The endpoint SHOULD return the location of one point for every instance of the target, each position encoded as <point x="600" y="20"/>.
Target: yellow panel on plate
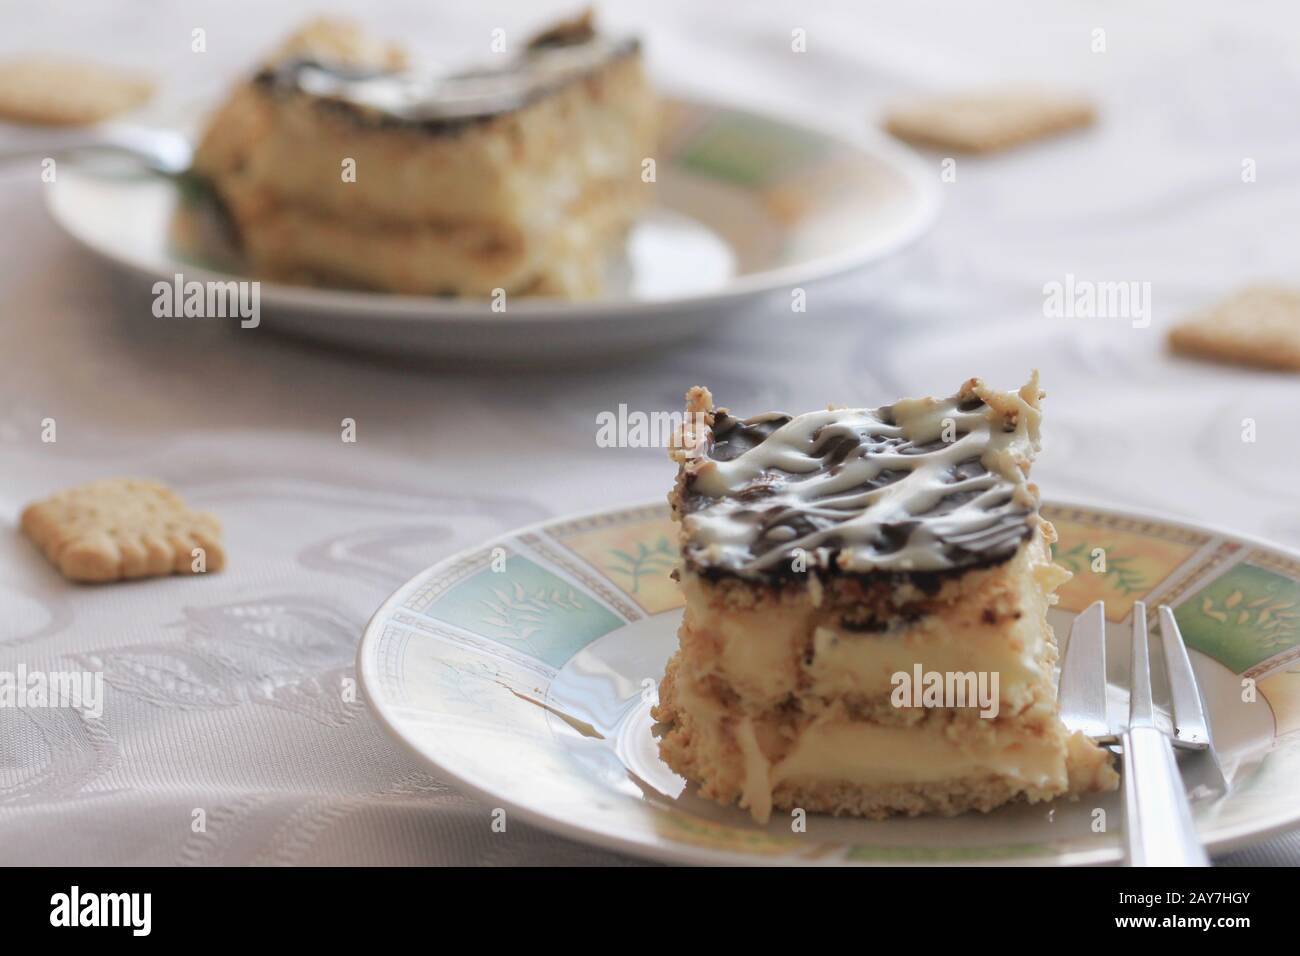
<point x="1283" y="694"/>
<point x="637" y="556"/>
<point x="1117" y="561"/>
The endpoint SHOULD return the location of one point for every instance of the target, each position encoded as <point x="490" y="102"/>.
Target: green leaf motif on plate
<point x="750" y="150"/>
<point x="1242" y="618"/>
<point x="528" y="608"/>
<point x="1121" y="575"/>
<point x="659" y="559"/>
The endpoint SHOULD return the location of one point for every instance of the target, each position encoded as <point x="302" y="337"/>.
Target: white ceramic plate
<point x="531" y="687"/>
<point x="745" y="205"/>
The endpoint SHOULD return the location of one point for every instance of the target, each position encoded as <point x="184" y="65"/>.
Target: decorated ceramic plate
<point x="745" y="205"/>
<point x="525" y="671"/>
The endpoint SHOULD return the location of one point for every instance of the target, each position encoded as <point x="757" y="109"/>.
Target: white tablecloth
<point x="223" y="692"/>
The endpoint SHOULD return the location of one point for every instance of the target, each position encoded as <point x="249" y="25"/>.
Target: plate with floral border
<point x="524" y="671"/>
<point x="744" y="204"/>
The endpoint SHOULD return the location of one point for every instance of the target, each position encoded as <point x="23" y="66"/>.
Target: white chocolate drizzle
<point x="920" y="485"/>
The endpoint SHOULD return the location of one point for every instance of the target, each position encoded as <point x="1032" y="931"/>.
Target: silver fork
<point x="1158" y="825"/>
<point x="161" y="150"/>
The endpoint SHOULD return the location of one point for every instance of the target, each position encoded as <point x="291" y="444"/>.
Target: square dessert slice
<point x="337" y="164"/>
<point x="836" y="563"/>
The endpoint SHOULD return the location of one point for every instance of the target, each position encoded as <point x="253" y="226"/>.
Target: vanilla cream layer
<point x="869" y="755"/>
<point x="1032" y="755"/>
<point x="288" y="241"/>
<point x="875" y="755"/>
<point x="761" y="653"/>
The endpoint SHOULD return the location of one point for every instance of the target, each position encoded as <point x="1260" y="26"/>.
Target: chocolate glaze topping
<point x="918" y="488"/>
<point x="449" y="103"/>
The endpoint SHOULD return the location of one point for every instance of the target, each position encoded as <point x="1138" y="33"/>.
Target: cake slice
<point x="836" y="565"/>
<point x="337" y="163"/>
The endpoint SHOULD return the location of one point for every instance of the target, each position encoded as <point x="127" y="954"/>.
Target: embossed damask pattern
<point x="226" y="697"/>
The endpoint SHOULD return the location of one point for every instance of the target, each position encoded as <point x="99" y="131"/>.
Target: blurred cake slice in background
<point x="339" y="163"/>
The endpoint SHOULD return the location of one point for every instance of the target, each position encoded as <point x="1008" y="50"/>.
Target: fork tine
<point x="1083" y="674"/>
<point x="1190" y="724"/>
<point x="1141" y="709"/>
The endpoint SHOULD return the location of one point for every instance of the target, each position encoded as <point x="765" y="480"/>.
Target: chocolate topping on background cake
<point x="579" y="29"/>
<point x="448" y="102"/>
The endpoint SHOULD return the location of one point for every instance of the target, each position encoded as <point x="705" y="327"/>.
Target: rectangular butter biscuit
<point x="989" y="121"/>
<point x="1257" y="326"/>
<point x="119" y="528"/>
